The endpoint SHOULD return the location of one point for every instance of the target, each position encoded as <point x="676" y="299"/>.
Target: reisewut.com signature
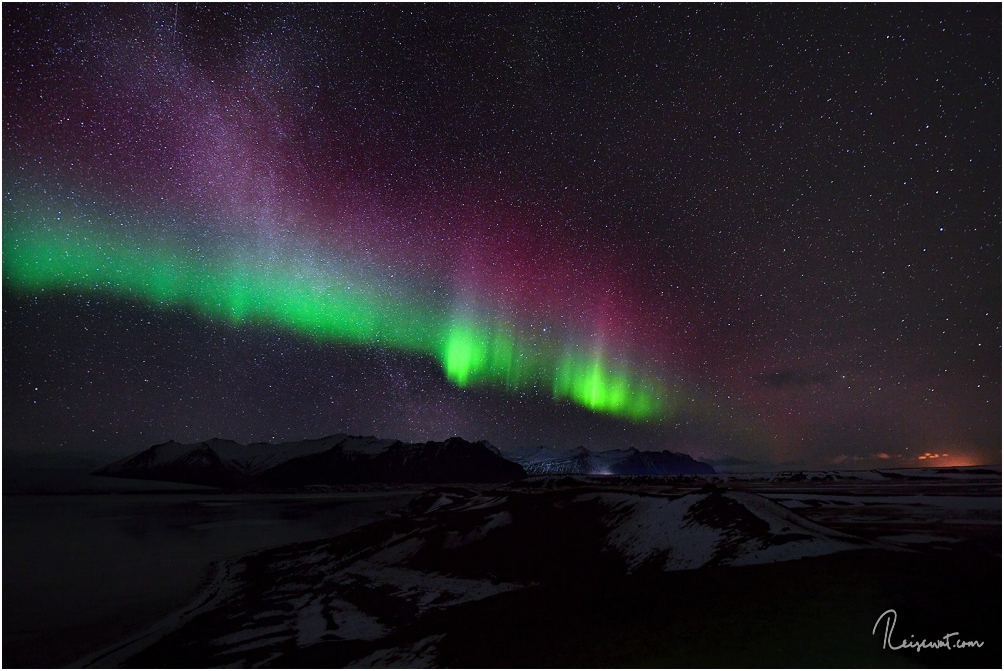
<point x="947" y="641"/>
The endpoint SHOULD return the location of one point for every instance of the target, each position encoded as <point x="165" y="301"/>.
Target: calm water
<point x="80" y="572"/>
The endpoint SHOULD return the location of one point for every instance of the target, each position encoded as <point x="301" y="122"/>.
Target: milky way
<point x="767" y="236"/>
<point x="223" y="151"/>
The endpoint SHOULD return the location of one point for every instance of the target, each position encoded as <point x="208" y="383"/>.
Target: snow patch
<point x="656" y="525"/>
<point x="455" y="539"/>
<point x="352" y="624"/>
<point x="703" y="528"/>
<point x="419" y="655"/>
<point x="310" y="623"/>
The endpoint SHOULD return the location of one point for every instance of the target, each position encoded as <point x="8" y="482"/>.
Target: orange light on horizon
<point x="962" y="456"/>
<point x="928" y="455"/>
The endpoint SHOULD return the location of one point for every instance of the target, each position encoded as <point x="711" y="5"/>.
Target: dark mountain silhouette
<point x="453" y="460"/>
<point x="338" y="459"/>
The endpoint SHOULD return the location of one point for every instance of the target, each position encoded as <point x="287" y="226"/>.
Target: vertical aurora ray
<point x="310" y="293"/>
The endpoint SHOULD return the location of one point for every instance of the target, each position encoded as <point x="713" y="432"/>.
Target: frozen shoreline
<point x="86" y="572"/>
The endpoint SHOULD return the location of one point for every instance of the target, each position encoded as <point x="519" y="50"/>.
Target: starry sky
<point x="765" y="236"/>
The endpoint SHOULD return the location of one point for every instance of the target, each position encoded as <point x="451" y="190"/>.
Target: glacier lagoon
<point x="81" y="572"/>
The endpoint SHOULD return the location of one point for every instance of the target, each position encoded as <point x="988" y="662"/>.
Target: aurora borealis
<point x="318" y="299"/>
<point x="764" y="235"/>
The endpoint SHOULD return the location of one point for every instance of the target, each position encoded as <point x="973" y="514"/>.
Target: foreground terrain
<point x="760" y="570"/>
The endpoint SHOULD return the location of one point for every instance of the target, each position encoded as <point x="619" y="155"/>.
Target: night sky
<point x="767" y="234"/>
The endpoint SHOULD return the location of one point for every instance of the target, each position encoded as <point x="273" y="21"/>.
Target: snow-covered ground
<point x="455" y="546"/>
<point x="714" y="528"/>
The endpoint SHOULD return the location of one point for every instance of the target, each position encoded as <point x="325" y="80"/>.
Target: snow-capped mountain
<point x="372" y="597"/>
<point x="337" y="459"/>
<point x="542" y="460"/>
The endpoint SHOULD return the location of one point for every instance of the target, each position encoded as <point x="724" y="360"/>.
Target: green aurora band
<point x="316" y="297"/>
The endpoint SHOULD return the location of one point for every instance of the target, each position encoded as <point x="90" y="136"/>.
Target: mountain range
<point x="333" y="460"/>
<point x="542" y="460"/>
<point x="343" y="459"/>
